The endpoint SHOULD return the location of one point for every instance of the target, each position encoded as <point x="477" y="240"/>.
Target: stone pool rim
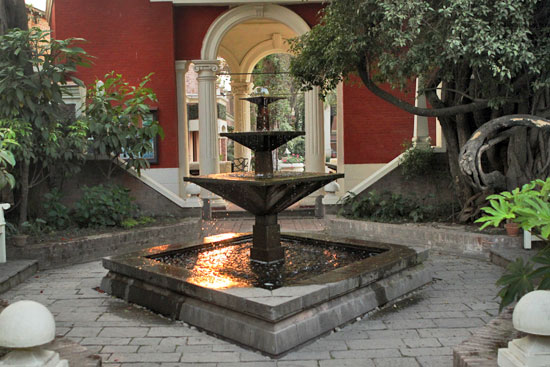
<point x="258" y="302"/>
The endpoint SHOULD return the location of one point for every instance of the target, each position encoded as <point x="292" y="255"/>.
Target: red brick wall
<point x="374" y="130"/>
<point x="309" y="13"/>
<point x="134" y="38"/>
<point x="191" y="25"/>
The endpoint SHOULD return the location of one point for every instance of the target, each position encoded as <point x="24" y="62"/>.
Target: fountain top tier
<point x="262" y="121"/>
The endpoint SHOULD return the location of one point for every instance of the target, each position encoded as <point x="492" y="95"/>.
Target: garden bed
<point x="64" y="251"/>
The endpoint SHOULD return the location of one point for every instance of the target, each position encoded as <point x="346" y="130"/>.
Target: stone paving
<point x="417" y="331"/>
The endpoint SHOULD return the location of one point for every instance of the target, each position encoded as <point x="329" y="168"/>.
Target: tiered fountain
<point x="249" y="287"/>
<point x="264" y="193"/>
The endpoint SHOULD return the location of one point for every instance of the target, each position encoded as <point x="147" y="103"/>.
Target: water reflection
<point x="229" y="265"/>
<point x="208" y="269"/>
<point x="219" y="237"/>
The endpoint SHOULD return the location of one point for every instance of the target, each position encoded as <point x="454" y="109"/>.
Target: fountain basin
<point x="271" y="321"/>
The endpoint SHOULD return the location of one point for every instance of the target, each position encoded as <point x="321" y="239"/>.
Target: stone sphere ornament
<point x="26" y="324"/>
<point x="531" y="316"/>
<point x="24" y="327"/>
<point x="532" y="313"/>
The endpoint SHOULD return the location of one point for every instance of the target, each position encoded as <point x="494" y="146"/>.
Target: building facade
<point x="167" y="37"/>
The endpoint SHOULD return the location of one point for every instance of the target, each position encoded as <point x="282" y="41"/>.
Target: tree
<point x="13" y="14"/>
<point x="287" y="114"/>
<point x="476" y="60"/>
<point x="33" y="74"/>
<point x="117" y="115"/>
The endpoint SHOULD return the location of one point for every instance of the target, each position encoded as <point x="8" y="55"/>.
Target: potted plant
<point x="528" y="207"/>
<point x="512" y="228"/>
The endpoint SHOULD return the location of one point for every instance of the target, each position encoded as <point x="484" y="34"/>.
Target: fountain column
<point x="242" y="116"/>
<point x="421" y="134"/>
<point x="209" y="161"/>
<point x="183" y="128"/>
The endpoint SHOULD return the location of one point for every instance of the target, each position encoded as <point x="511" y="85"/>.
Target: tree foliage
<point x="287" y="114"/>
<point x="34" y="72"/>
<point x="486" y="59"/>
<point x="116" y="113"/>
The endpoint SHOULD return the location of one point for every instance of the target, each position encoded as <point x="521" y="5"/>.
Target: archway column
<point x="209" y="155"/>
<point x="421" y="133"/>
<point x="314" y="139"/>
<point x="315" y="132"/>
<point x="242" y="116"/>
<point x="183" y="128"/>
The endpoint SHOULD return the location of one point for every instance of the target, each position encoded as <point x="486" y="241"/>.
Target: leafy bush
<point x="102" y="206"/>
<point x="529" y="207"/>
<point x="35" y="227"/>
<point x="416" y="160"/>
<point x="116" y="113"/>
<point x="57" y="215"/>
<point x="388" y="207"/>
<point x="134" y="222"/>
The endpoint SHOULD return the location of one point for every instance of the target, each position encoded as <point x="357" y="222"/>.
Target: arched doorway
<point x="230" y="36"/>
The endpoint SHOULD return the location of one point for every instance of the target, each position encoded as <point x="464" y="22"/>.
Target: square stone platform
<point x="272" y="321"/>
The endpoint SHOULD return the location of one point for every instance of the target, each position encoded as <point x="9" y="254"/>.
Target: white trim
<point x="375" y="177"/>
<point x="219" y="28"/>
<point x="161" y="189"/>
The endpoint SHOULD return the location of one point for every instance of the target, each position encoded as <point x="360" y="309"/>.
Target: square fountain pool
<point x="324" y="282"/>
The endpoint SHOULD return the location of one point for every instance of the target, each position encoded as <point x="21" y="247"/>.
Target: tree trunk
<point x="13" y="14"/>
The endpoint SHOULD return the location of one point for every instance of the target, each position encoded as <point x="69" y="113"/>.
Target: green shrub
<point x="387" y="207"/>
<point x="35" y="227"/>
<point x="416" y="161"/>
<point x="102" y="206"/>
<point x="133" y="222"/>
<point x="529" y="206"/>
<point x="57" y="214"/>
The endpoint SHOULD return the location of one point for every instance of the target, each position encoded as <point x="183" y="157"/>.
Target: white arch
<point x="228" y="20"/>
<point x="257" y="53"/>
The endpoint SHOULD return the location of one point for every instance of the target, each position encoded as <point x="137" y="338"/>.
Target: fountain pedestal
<point x="267" y="240"/>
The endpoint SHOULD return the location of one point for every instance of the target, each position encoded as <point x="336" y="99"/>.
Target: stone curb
<point x="15" y="272"/>
<point x="481" y="349"/>
<point x="90" y="248"/>
<point x="449" y="240"/>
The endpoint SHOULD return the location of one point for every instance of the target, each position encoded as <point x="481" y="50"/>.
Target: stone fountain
<point x="263" y="192"/>
<point x="268" y="290"/>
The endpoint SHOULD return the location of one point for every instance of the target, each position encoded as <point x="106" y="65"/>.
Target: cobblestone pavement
<point x="418" y="331"/>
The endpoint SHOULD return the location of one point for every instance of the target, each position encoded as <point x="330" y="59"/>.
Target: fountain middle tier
<point x="265" y="198"/>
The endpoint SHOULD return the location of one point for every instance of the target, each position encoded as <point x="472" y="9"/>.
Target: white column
<point x="340" y="136"/>
<point x="327" y="129"/>
<point x="3" y="206"/>
<point x="209" y="153"/>
<point x="208" y="121"/>
<point x="314" y="128"/>
<point x="183" y="128"/>
<point x="242" y="115"/>
<point x="421" y="134"/>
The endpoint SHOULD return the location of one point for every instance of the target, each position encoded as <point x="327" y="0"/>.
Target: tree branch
<point x="428" y="112"/>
